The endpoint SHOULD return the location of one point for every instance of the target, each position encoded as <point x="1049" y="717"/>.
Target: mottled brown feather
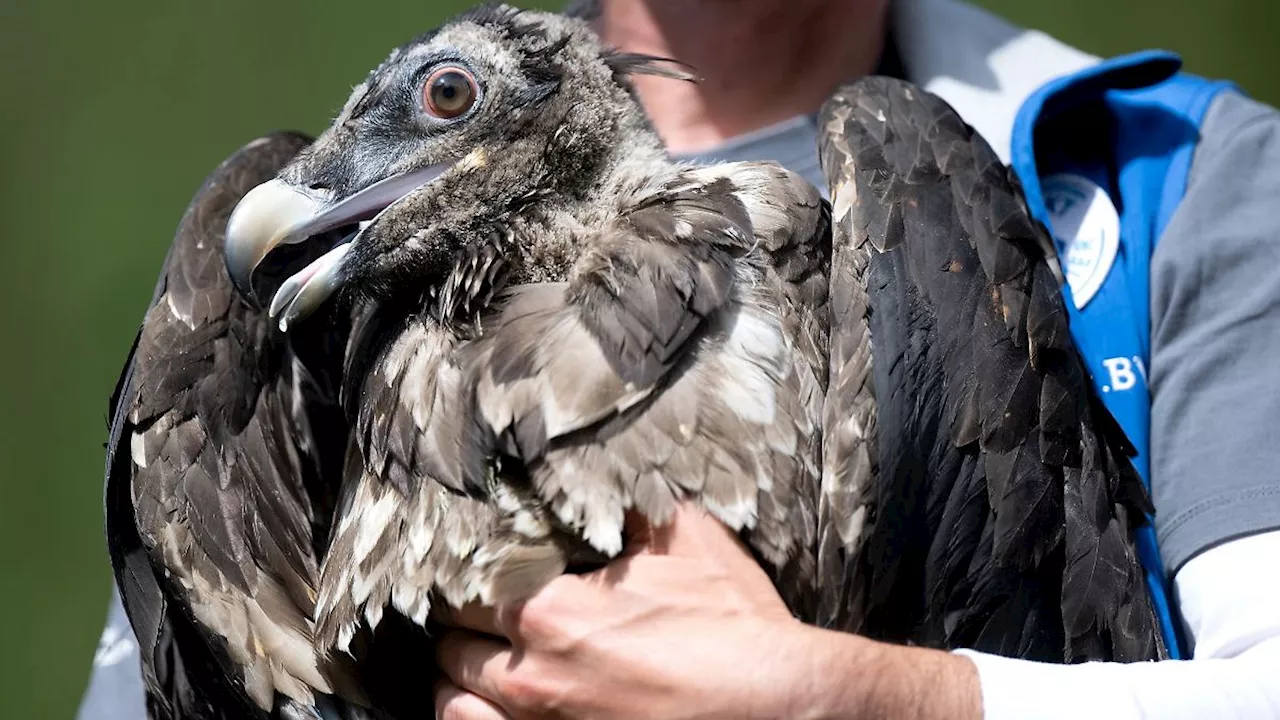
<point x="214" y="418"/>
<point x="682" y="356"/>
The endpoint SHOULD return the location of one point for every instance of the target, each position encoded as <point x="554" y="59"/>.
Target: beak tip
<point x="268" y="215"/>
<point x="240" y="274"/>
<point x="244" y="247"/>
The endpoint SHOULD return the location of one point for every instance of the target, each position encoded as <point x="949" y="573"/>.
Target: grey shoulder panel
<point x="115" y="685"/>
<point x="1215" y="339"/>
<point x="792" y="144"/>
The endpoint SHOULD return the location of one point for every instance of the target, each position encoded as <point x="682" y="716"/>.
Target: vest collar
<point x="980" y="64"/>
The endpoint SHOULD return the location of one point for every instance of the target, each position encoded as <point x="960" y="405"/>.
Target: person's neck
<point x="761" y="61"/>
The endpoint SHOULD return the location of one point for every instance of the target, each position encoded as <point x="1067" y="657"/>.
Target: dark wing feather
<point x="183" y="676"/>
<point x="215" y="466"/>
<point x="972" y="493"/>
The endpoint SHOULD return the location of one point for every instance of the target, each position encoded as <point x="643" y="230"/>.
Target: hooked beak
<point x="277" y="213"/>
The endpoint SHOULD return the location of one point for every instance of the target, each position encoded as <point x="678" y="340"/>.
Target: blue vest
<point x="1128" y="126"/>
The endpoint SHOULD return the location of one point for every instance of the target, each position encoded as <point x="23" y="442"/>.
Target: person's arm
<point x="699" y="633"/>
<point x="1227" y="598"/>
<point x="624" y="648"/>
<point x="688" y="626"/>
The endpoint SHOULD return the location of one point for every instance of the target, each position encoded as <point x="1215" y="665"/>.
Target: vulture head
<point x="496" y="119"/>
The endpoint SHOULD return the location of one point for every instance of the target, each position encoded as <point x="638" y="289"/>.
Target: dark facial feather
<point x="624" y="64"/>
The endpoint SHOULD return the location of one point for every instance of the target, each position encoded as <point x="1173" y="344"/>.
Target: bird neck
<point x="761" y="61"/>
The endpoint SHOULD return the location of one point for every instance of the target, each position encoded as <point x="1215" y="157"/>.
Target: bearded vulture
<point x="435" y="356"/>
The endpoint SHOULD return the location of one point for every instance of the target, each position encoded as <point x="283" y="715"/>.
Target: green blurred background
<point x="111" y="115"/>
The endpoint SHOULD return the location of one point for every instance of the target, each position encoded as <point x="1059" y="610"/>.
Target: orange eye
<point x="449" y="92"/>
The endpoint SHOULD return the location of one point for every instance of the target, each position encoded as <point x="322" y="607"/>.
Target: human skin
<point x="685" y="624"/>
<point x="760" y="61"/>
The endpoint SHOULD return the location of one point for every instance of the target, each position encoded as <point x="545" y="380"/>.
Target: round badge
<point x="1086" y="228"/>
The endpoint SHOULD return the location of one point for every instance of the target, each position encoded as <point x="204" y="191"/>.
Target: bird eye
<point x="449" y="92"/>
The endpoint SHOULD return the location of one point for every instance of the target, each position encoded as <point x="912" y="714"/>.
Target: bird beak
<point x="277" y="213"/>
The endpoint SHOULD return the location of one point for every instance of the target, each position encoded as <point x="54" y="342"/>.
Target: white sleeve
<point x="1229" y="597"/>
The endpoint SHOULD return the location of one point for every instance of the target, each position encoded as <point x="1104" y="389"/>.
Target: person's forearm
<point x="1240" y="687"/>
<point x="1227" y="597"/>
<point x="859" y="679"/>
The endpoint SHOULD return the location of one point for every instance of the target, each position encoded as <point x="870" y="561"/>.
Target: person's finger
<point x="564" y="597"/>
<point x="474" y="663"/>
<point x="454" y="703"/>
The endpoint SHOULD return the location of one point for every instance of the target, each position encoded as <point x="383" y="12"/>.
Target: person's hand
<point x="685" y="625"/>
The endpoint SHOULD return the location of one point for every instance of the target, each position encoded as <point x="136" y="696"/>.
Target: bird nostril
<point x="319" y="186"/>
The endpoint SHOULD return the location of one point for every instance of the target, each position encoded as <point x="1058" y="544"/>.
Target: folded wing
<point x="218" y="471"/>
<point x="683" y="357"/>
<point x="973" y="493"/>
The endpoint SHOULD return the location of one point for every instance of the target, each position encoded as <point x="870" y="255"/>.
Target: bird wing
<point x="217" y="436"/>
<point x="683" y="358"/>
<point x="402" y="535"/>
<point x="973" y="492"/>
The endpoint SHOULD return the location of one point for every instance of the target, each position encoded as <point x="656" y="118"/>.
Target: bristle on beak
<point x="640" y="64"/>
